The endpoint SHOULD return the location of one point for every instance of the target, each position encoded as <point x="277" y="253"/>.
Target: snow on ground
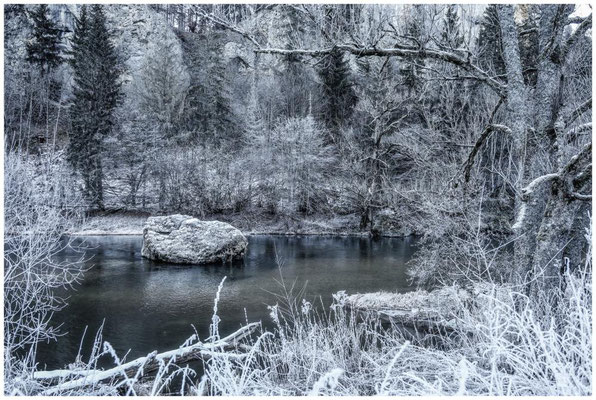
<point x="123" y="224"/>
<point x="111" y="225"/>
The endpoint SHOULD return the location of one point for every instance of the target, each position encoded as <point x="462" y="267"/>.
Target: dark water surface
<point x="150" y="306"/>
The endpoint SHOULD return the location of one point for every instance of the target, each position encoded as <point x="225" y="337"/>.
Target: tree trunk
<point x="518" y="113"/>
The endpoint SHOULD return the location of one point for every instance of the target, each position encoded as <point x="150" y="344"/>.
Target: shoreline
<point x="343" y="226"/>
<point x="340" y="234"/>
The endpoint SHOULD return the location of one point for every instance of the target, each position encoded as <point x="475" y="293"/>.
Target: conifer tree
<point x="294" y="79"/>
<point x="221" y="121"/>
<point x="96" y="94"/>
<point x="411" y="70"/>
<point x="451" y="35"/>
<point x="255" y="126"/>
<point x="44" y="47"/>
<point x="339" y="97"/>
<point x="489" y="42"/>
<point x="80" y="64"/>
<point x="208" y="116"/>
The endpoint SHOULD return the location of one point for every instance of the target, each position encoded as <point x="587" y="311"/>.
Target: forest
<point x="467" y="127"/>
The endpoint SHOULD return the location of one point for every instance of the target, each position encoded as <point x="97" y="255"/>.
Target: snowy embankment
<point x="110" y="225"/>
<point x="347" y="225"/>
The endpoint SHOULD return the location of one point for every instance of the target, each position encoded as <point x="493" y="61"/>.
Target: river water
<point x="146" y="305"/>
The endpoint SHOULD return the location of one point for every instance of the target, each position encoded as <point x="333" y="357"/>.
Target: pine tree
<point x="254" y="126"/>
<point x="411" y="70"/>
<point x="295" y="79"/>
<point x="44" y="47"/>
<point x="80" y="63"/>
<point x="339" y="97"/>
<point x="161" y="86"/>
<point x="490" y="48"/>
<point x="96" y="95"/>
<point x="451" y="35"/>
<point x="208" y="114"/>
<point x="489" y="42"/>
<point x="219" y="120"/>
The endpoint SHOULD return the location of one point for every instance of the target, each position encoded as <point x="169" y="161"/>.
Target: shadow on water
<point x="147" y="305"/>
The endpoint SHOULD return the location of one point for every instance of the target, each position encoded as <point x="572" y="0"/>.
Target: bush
<point x="505" y="343"/>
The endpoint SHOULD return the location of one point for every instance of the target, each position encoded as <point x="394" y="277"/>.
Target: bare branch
<point x="579" y="196"/>
<point x="580" y="31"/>
<point x="576" y="20"/>
<point x="148" y="363"/>
<point x="490" y="127"/>
<point x="402" y="51"/>
<point x="225" y="24"/>
<point x="578" y="130"/>
<point x="582" y="108"/>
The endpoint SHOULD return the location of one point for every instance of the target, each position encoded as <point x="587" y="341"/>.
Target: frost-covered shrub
<point x="292" y="166"/>
<point x="504" y="343"/>
<point x="39" y="204"/>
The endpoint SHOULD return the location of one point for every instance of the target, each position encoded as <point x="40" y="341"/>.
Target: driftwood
<point x="404" y="318"/>
<point x="143" y="365"/>
<point x="424" y="311"/>
<point x="420" y="310"/>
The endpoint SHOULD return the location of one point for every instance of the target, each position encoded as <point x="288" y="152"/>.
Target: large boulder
<point x="183" y="239"/>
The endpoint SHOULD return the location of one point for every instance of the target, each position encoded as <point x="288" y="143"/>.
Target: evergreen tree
<point x="43" y="48"/>
<point x="221" y="125"/>
<point x="451" y="35"/>
<point x="338" y="94"/>
<point x="255" y="125"/>
<point x="411" y="70"/>
<point x="490" y="47"/>
<point x="295" y="79"/>
<point x="208" y="116"/>
<point x="80" y="64"/>
<point x="96" y="94"/>
<point x="161" y="87"/>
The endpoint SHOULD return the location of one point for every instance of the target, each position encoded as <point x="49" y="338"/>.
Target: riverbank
<point x="345" y="225"/>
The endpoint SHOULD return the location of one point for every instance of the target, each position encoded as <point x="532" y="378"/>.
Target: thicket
<point x="477" y="137"/>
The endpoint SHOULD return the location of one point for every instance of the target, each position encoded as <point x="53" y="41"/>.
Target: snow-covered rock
<point x="186" y="240"/>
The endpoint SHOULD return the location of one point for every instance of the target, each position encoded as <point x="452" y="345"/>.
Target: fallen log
<point x="426" y="311"/>
<point x="144" y="365"/>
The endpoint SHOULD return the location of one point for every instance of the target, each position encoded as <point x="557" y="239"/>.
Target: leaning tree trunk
<point x="560" y="239"/>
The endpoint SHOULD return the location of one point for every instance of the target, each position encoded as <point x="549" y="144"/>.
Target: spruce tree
<point x="80" y="63"/>
<point x="255" y="126"/>
<point x="294" y="79"/>
<point x="339" y="97"/>
<point x="43" y="48"/>
<point x="411" y="70"/>
<point x="96" y="95"/>
<point x="208" y="117"/>
<point x="220" y="123"/>
<point x="489" y="42"/>
<point x="451" y="35"/>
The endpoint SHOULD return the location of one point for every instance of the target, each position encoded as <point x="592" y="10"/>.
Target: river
<point x="146" y="305"/>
